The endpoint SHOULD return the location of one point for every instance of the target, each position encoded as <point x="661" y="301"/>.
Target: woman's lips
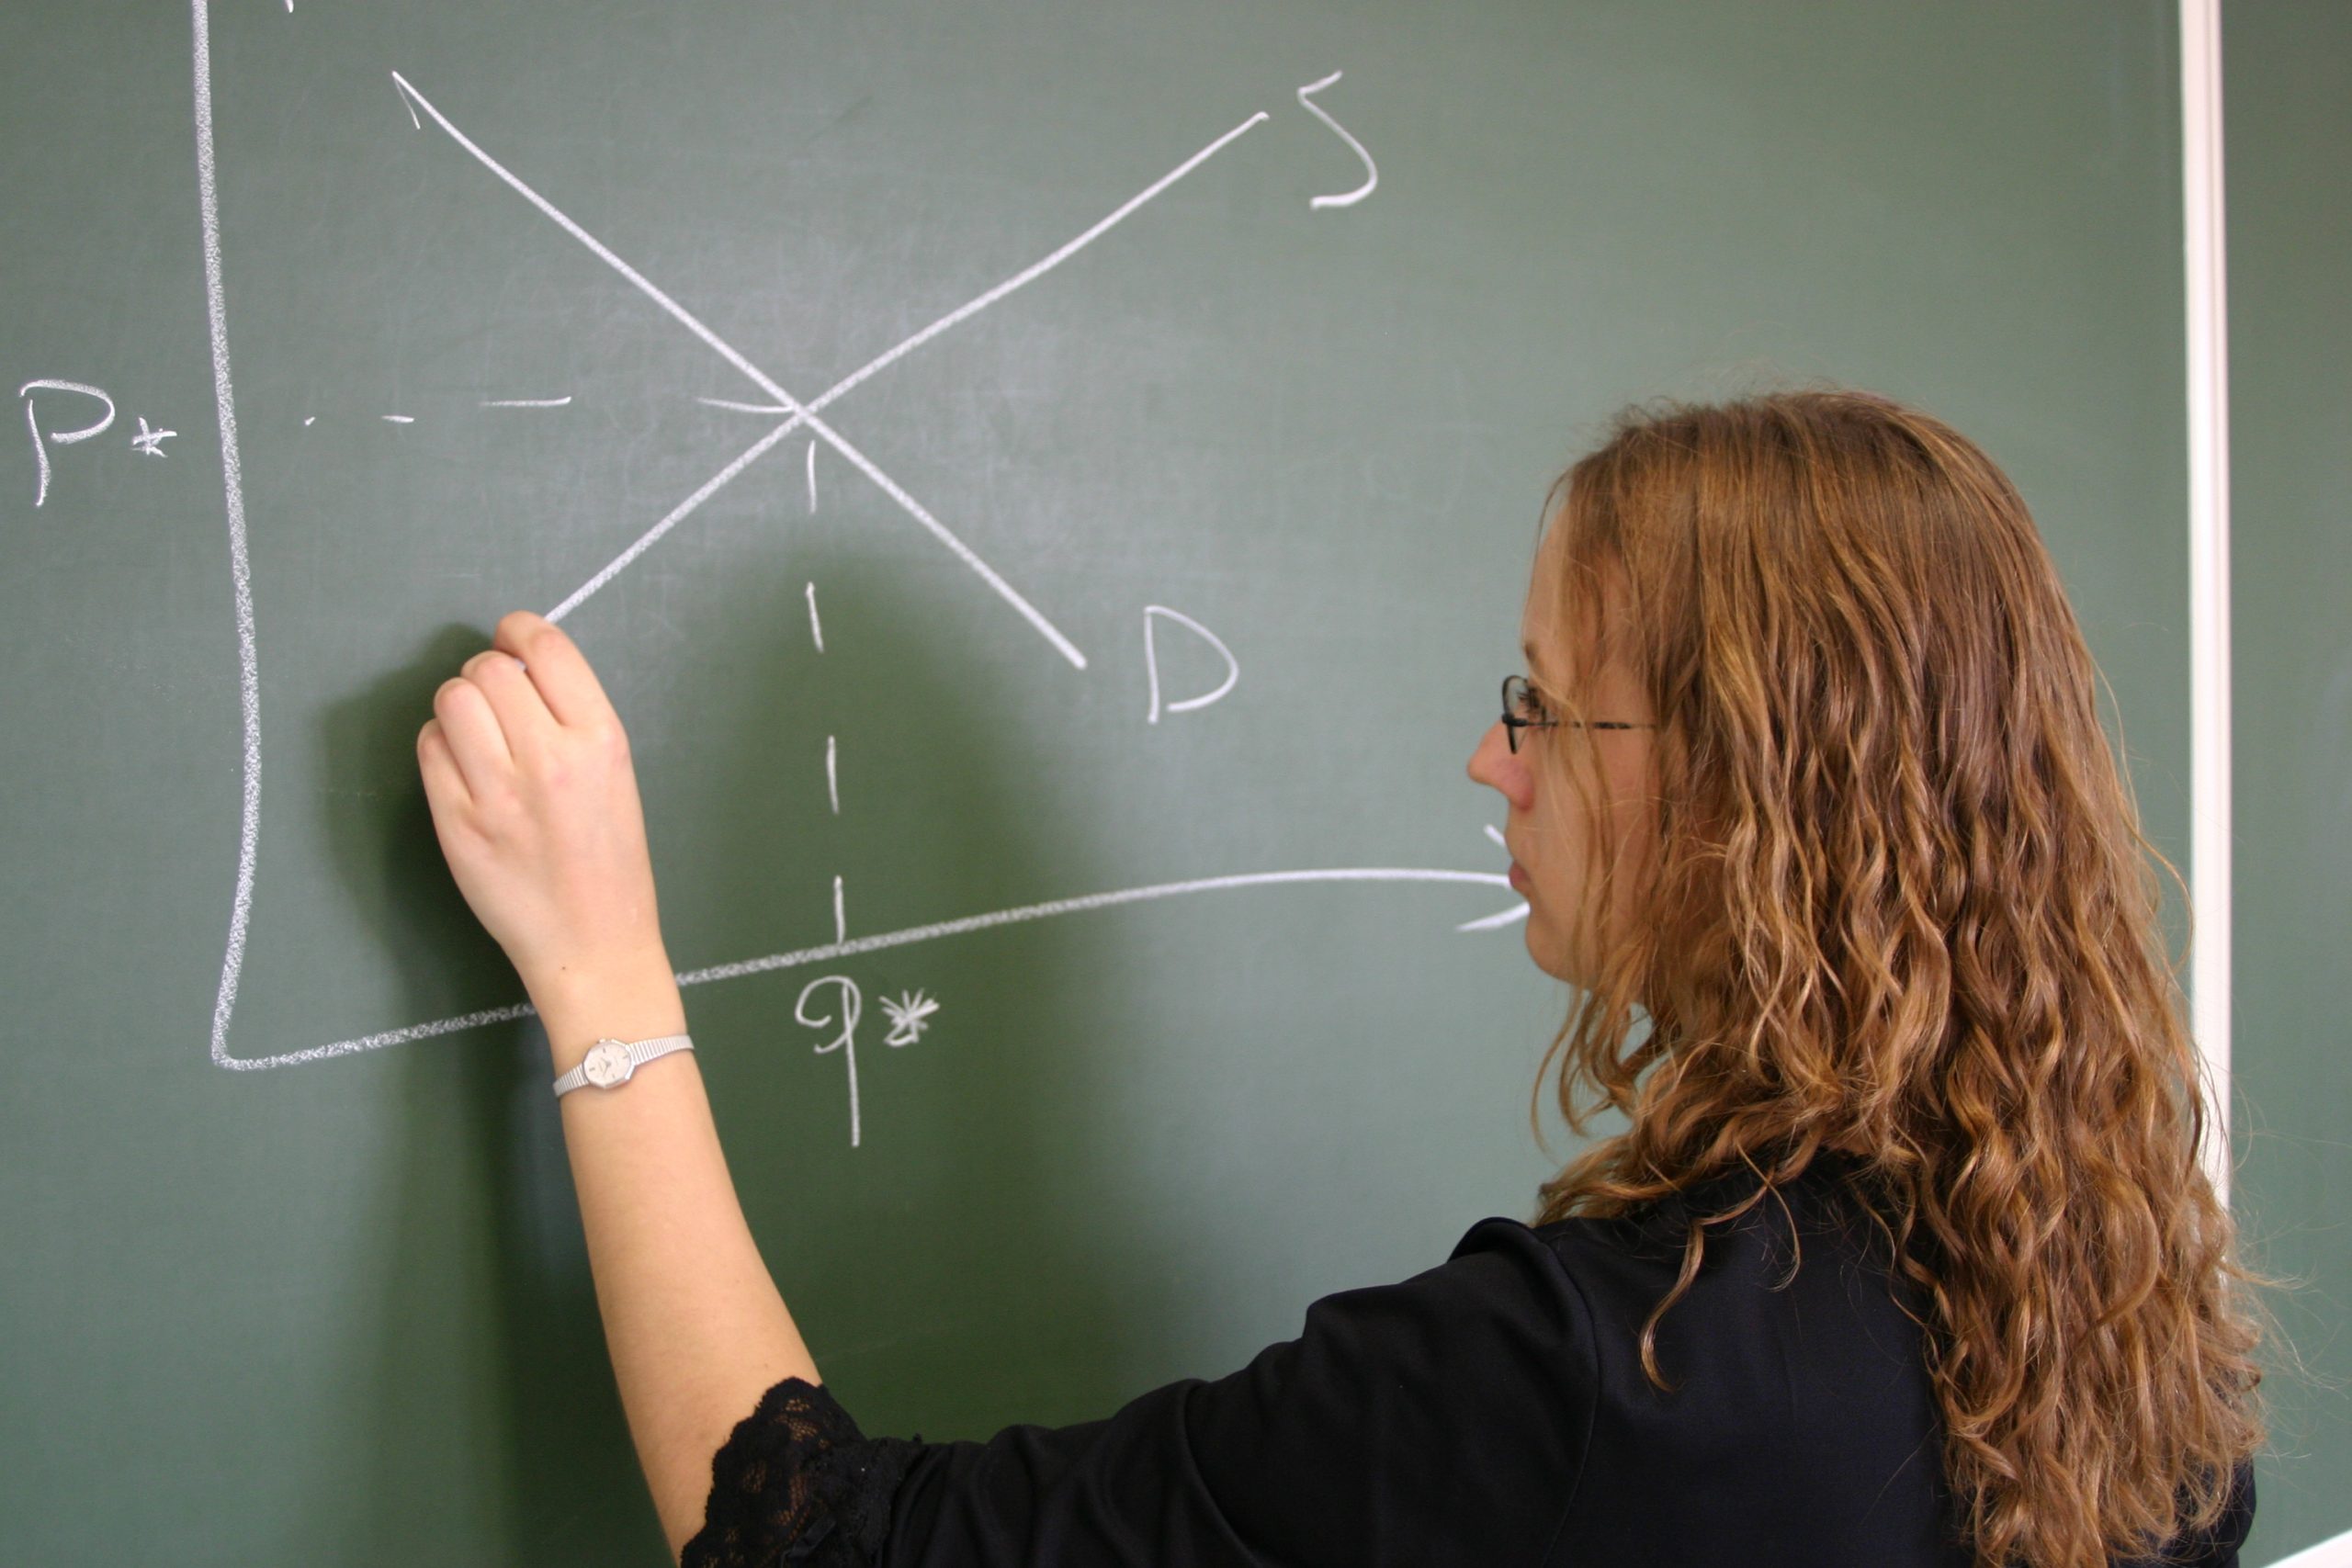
<point x="1518" y="878"/>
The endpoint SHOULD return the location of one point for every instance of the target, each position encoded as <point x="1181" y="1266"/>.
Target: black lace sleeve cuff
<point x="797" y="1481"/>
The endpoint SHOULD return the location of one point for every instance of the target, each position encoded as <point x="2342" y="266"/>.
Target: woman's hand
<point x="535" y="802"/>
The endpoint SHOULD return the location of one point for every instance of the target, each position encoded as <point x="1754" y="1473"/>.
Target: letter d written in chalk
<point x="1151" y="661"/>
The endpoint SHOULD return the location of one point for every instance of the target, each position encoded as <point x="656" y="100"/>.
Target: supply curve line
<point x="801" y="957"/>
<point x="809" y="414"/>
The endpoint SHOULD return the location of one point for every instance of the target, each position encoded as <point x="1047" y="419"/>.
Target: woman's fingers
<point x="474" y="737"/>
<point x="536" y="805"/>
<point x="506" y="705"/>
<point x="555" y="667"/>
<point x="444" y="785"/>
<point x="522" y="717"/>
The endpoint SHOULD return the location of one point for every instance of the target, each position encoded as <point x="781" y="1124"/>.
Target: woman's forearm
<point x="696" y="1326"/>
<point x="534" y="795"/>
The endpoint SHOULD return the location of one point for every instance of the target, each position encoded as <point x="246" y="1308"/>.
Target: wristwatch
<point x="610" y="1064"/>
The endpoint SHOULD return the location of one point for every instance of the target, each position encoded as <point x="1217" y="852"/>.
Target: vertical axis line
<point x="207" y="189"/>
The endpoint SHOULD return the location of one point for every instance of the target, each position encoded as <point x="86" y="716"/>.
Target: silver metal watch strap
<point x="639" y="1053"/>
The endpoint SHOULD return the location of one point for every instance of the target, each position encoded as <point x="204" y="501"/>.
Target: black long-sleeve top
<point x="1492" y="1410"/>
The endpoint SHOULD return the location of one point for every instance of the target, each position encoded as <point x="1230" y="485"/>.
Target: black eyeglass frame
<point x="1513" y="723"/>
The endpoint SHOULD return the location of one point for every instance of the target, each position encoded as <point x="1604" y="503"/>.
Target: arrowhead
<point x="1488" y="922"/>
<point x="409" y="98"/>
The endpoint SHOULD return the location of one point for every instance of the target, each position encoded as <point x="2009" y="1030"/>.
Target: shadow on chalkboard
<point x="936" y="1269"/>
<point x="493" y="1409"/>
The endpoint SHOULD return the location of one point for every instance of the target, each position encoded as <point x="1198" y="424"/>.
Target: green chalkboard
<point x="1244" y="391"/>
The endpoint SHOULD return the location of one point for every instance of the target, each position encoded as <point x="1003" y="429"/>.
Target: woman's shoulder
<point x="1790" y="1368"/>
<point x="1827" y="1197"/>
<point x="1810" y="1237"/>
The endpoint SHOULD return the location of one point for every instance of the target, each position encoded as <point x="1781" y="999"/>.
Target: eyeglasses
<point x="1519" y="701"/>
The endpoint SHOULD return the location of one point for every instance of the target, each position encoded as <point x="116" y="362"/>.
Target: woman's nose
<point x="1493" y="746"/>
<point x="1494" y="765"/>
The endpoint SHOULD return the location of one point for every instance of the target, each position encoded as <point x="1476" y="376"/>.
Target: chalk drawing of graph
<point x="793" y="415"/>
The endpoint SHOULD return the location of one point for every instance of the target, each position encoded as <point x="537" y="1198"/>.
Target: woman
<point x="1905" y="1256"/>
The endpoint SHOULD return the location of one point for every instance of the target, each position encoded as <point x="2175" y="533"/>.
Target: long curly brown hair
<point x="1897" y="900"/>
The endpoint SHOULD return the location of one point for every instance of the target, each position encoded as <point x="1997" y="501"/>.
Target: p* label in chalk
<point x="34" y="412"/>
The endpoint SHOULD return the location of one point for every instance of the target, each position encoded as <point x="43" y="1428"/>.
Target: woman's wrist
<point x="631" y="998"/>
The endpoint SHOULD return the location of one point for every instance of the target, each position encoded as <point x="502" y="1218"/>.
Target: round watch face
<point x="607" y="1064"/>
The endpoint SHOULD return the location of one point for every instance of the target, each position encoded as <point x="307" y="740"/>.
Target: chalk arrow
<point x="1489" y="922"/>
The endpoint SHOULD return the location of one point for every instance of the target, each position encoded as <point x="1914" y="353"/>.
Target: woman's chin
<point x="1543" y="951"/>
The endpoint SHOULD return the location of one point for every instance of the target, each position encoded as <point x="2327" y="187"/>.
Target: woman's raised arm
<point x="535" y="802"/>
